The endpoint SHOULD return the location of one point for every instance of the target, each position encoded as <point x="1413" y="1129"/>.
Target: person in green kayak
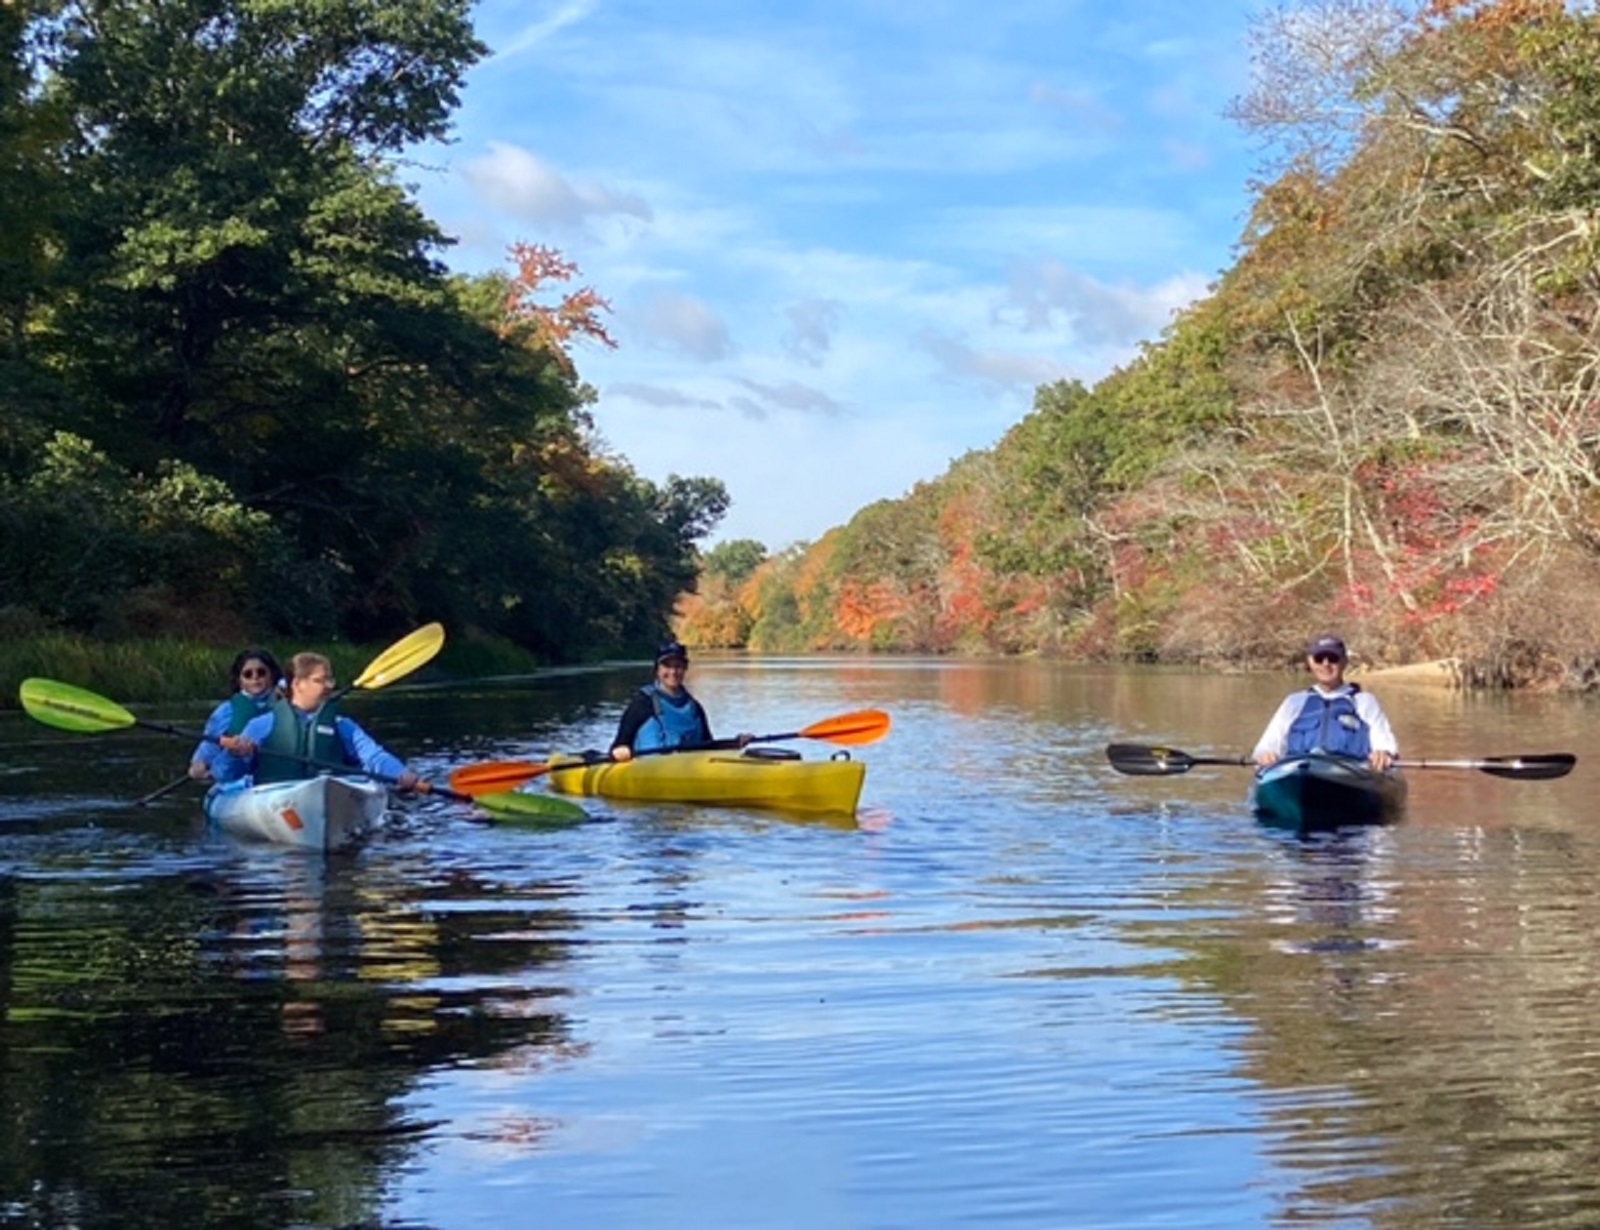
<point x="1330" y="716"/>
<point x="253" y="681"/>
<point x="305" y="727"/>
<point x="663" y="715"/>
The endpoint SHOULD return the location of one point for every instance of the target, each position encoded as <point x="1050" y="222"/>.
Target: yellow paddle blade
<point x="850" y="729"/>
<point x="403" y="657"/>
<point x="68" y="708"/>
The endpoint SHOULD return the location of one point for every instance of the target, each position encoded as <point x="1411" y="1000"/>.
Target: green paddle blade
<point x="534" y="811"/>
<point x="68" y="708"/>
<point x="403" y="657"/>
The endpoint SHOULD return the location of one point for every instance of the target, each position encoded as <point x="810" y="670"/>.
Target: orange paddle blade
<point x="851" y="729"/>
<point x="495" y="777"/>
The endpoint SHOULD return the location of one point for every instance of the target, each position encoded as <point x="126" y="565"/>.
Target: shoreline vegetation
<point x="167" y="669"/>
<point x="1383" y="417"/>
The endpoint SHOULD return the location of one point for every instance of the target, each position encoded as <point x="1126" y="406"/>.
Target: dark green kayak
<point x="1325" y="792"/>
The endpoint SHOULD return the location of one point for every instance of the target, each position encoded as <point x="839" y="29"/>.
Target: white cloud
<point x="1050" y="295"/>
<point x="1008" y="369"/>
<point x="811" y="326"/>
<point x="527" y="188"/>
<point x="680" y="322"/>
<point x="792" y="395"/>
<point x="545" y="28"/>
<point x="656" y="395"/>
<point x="846" y="243"/>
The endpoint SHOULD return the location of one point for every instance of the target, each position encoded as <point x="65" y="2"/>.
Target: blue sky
<point x="845" y="241"/>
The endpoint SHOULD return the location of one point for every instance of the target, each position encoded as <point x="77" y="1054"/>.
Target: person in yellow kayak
<point x="303" y="733"/>
<point x="253" y="681"/>
<point x="663" y="715"/>
<point x="1330" y="716"/>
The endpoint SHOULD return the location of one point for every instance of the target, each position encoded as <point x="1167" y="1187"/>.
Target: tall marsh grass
<point x="149" y="671"/>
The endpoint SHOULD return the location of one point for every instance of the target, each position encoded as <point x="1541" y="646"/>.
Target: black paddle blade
<point x="1138" y="760"/>
<point x="1530" y="768"/>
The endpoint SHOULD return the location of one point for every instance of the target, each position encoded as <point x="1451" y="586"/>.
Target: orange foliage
<point x="1493" y="14"/>
<point x="860" y="610"/>
<point x="576" y="315"/>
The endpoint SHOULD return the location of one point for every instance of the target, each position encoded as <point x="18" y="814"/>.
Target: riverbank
<point x="1441" y="673"/>
<point x="169" y="669"/>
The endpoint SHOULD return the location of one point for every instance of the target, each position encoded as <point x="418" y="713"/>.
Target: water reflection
<point x="1018" y="989"/>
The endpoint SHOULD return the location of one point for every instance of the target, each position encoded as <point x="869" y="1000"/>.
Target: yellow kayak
<point x="755" y="777"/>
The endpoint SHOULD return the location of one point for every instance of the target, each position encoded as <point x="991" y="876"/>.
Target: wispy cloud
<point x="1050" y="295"/>
<point x="545" y="27"/>
<point x="680" y="322"/>
<point x="811" y="326"/>
<point x="525" y="187"/>
<point x="846" y="243"/>
<point x="960" y="361"/>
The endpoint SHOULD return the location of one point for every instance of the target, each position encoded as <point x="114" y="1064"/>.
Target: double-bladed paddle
<point x="1140" y="760"/>
<point x="1528" y="767"/>
<point x="847" y="729"/>
<point x="86" y="713"/>
<point x="411" y="651"/>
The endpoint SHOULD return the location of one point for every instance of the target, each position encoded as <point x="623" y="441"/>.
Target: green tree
<point x="735" y="560"/>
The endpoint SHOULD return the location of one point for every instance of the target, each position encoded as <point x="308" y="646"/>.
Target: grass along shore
<point x="170" y="669"/>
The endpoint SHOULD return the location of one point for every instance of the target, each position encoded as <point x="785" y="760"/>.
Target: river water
<point x="1016" y="990"/>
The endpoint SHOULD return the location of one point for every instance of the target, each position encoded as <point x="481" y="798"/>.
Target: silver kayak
<point x="319" y="813"/>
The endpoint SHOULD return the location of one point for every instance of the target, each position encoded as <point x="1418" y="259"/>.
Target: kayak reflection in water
<point x="1331" y="716"/>
<point x="301" y="734"/>
<point x="663" y="715"/>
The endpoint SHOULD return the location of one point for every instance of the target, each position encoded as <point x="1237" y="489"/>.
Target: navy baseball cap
<point x="1327" y="644"/>
<point x="672" y="651"/>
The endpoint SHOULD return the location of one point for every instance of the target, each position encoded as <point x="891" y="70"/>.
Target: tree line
<point x="241" y="395"/>
<point x="1384" y="417"/>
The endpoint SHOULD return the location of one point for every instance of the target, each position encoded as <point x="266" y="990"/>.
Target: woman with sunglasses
<point x="253" y="681"/>
<point x="1330" y="716"/>
<point x="299" y="734"/>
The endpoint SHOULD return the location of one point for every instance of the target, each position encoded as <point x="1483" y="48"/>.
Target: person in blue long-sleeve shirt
<point x="253" y="680"/>
<point x="303" y="734"/>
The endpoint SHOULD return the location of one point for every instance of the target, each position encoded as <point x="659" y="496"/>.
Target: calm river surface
<point x="1017" y="990"/>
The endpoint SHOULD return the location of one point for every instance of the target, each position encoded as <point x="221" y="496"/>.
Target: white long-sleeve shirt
<point x="1275" y="737"/>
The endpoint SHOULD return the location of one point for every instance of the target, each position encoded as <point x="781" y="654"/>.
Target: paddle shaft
<point x="164" y="791"/>
<point x="1139" y="760"/>
<point x="851" y="729"/>
<point x="395" y="662"/>
<point x="716" y="745"/>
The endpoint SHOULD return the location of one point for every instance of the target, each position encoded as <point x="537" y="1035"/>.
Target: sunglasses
<point x="1326" y="657"/>
<point x="254" y="672"/>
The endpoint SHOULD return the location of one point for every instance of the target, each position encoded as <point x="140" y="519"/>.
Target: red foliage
<point x="859" y="610"/>
<point x="576" y="315"/>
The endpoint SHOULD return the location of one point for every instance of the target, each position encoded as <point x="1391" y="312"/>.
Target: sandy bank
<point x="1443" y="672"/>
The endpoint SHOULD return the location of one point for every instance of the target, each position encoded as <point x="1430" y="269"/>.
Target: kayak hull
<point x="722" y="778"/>
<point x="1324" y="792"/>
<point x="319" y="813"/>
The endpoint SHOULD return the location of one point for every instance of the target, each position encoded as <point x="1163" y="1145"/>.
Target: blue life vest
<point x="285" y="754"/>
<point x="1330" y="724"/>
<point x="677" y="722"/>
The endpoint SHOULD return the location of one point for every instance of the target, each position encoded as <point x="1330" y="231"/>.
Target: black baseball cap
<point x="1327" y="644"/>
<point x="672" y="651"/>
